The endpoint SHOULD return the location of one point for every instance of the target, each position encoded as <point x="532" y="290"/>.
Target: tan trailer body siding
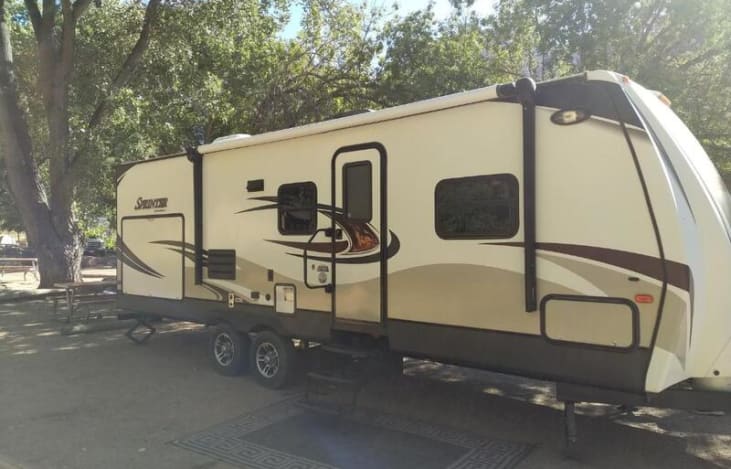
<point x="608" y="212"/>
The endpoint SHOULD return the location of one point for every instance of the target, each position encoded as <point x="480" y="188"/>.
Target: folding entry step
<point x="355" y="353"/>
<point x="142" y="321"/>
<point x="331" y="394"/>
<point x="339" y="375"/>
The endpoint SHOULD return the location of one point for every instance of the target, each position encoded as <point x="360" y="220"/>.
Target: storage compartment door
<point x="589" y="320"/>
<point x="151" y="251"/>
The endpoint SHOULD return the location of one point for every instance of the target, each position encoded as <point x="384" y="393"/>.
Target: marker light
<point x="665" y="100"/>
<point x="569" y="116"/>
<point x="644" y="298"/>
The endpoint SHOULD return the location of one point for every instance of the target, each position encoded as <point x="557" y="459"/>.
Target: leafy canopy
<point x="222" y="66"/>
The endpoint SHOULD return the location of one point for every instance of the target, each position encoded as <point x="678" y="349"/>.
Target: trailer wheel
<point x="228" y="348"/>
<point x="272" y="359"/>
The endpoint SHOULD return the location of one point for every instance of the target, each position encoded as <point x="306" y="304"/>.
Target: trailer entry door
<point x="359" y="217"/>
<point x="151" y="265"/>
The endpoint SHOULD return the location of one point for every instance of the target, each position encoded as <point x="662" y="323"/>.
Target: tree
<point x="679" y="47"/>
<point x="44" y="163"/>
<point x="427" y="58"/>
<point x="324" y="71"/>
<point x="83" y="88"/>
<point x="9" y="216"/>
<point x="220" y="67"/>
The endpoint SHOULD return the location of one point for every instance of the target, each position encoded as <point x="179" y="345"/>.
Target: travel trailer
<point x="572" y="230"/>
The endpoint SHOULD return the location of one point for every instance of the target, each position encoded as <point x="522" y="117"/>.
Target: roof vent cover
<point x="231" y="137"/>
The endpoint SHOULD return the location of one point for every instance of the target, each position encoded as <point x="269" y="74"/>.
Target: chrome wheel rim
<point x="267" y="359"/>
<point x="224" y="349"/>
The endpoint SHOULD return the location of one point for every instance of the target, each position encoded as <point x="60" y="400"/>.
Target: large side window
<point x="297" y="211"/>
<point x="477" y="207"/>
<point x="358" y="191"/>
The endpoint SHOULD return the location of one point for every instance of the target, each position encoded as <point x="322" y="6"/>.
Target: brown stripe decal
<point x="131" y="260"/>
<point x="678" y="274"/>
<point x="315" y="247"/>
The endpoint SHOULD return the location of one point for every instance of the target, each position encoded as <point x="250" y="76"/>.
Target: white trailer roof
<point x="419" y="107"/>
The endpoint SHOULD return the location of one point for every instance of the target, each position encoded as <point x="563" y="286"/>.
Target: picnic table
<point x="19" y="264"/>
<point x="85" y="293"/>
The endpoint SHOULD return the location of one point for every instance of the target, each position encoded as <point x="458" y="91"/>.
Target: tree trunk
<point x="59" y="258"/>
<point x="47" y="212"/>
<point x="52" y="234"/>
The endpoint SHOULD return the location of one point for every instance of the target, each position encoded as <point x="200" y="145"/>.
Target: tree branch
<point x="35" y="16"/>
<point x="708" y="54"/>
<point x="650" y="24"/>
<point x="22" y="171"/>
<point x="49" y="15"/>
<point x="60" y="76"/>
<point x="68" y="34"/>
<point x="46" y="52"/>
<point x="130" y="64"/>
<point x="80" y="7"/>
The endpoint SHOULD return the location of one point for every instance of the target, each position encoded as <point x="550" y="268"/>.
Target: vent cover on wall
<point x="222" y="264"/>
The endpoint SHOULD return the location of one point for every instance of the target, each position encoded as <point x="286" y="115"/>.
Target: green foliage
<point x="222" y="67"/>
<point x="679" y="47"/>
<point x="98" y="231"/>
<point x="324" y="71"/>
<point x="427" y="58"/>
<point x="9" y="217"/>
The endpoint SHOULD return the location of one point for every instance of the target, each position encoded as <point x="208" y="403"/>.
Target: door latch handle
<point x="322" y="271"/>
<point x="338" y="233"/>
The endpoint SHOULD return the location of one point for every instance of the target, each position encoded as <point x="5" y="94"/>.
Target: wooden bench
<point x="27" y="265"/>
<point x="85" y="294"/>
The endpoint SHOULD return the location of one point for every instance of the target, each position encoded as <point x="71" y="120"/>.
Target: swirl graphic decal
<point x="361" y="246"/>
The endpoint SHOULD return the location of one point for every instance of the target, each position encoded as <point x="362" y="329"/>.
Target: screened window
<point x="297" y="210"/>
<point x="357" y="191"/>
<point x="477" y="207"/>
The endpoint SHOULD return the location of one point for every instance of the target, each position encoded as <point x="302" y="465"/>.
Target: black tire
<point x="272" y="360"/>
<point x="228" y="350"/>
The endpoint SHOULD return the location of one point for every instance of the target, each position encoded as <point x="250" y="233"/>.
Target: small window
<point x="357" y="191"/>
<point x="477" y="207"/>
<point x="297" y="211"/>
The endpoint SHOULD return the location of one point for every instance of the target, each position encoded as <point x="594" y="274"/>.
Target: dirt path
<point x="96" y="400"/>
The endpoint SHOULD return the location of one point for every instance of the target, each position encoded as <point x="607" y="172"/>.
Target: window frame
<point x="344" y="194"/>
<point x="450" y="236"/>
<point x="280" y="210"/>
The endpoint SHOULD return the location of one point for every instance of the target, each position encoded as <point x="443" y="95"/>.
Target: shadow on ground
<point x="97" y="400"/>
<point x="521" y="409"/>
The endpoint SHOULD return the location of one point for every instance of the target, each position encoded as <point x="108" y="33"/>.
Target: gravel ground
<point x="96" y="400"/>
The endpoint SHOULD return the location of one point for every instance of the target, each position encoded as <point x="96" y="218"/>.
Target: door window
<point x="357" y="191"/>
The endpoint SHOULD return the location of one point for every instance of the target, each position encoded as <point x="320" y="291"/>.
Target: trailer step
<point x="350" y="351"/>
<point x="336" y="380"/>
<point x="141" y="330"/>
<point x="332" y="392"/>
